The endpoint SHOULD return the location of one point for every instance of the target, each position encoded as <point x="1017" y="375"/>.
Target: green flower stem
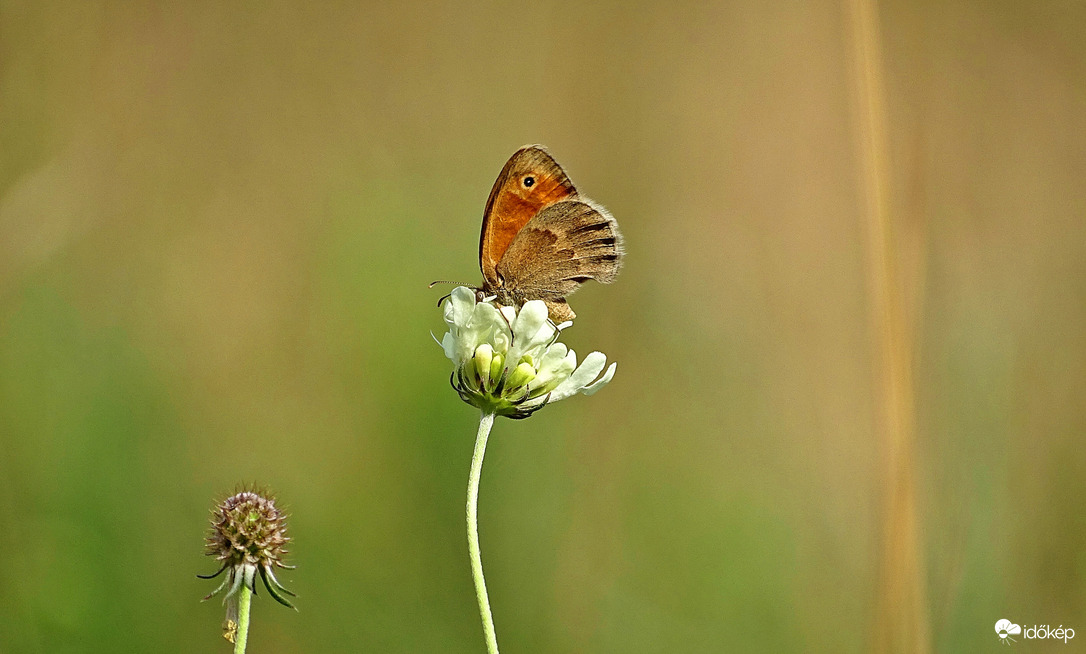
<point x="486" y="422"/>
<point x="245" y="599"/>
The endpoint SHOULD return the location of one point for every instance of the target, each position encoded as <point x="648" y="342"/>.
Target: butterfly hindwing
<point x="563" y="246"/>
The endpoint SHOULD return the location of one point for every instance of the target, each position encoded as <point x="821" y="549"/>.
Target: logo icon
<point x="1005" y="629"/>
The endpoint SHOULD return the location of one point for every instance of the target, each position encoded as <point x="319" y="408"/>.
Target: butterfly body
<point x="541" y="239"/>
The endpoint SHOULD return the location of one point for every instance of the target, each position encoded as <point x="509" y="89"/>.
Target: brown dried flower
<point x="248" y="535"/>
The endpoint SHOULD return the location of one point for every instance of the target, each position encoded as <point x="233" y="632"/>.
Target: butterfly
<point x="541" y="239"/>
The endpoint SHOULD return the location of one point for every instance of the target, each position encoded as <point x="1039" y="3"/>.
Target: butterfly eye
<point x="528" y="181"/>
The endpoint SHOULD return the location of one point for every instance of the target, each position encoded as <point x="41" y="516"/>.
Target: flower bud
<point x="520" y="376"/>
<point x="484" y="356"/>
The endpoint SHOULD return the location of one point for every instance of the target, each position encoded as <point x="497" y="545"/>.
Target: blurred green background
<point x="218" y="221"/>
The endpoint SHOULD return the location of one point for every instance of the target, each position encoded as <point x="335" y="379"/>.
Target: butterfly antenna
<point x="443" y="281"/>
<point x="446" y="297"/>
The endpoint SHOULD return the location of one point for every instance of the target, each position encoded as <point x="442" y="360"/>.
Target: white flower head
<point x="510" y="362"/>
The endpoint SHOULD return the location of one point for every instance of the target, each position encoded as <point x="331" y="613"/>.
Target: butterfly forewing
<point x="530" y="181"/>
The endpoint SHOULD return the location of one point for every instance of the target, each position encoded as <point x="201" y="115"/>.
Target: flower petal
<point x="531" y="331"/>
<point x="459" y="307"/>
<point x="484" y="326"/>
<point x="531" y="317"/>
<point x="550" y="365"/>
<point x="448" y="344"/>
<point x="602" y="381"/>
<point x="587" y="372"/>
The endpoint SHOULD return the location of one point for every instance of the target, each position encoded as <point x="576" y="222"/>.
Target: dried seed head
<point x="248" y="536"/>
<point x="247" y="528"/>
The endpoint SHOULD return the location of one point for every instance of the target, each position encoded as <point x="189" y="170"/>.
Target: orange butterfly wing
<point x="530" y="181"/>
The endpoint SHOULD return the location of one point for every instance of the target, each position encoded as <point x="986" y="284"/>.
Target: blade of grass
<point x="901" y="614"/>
